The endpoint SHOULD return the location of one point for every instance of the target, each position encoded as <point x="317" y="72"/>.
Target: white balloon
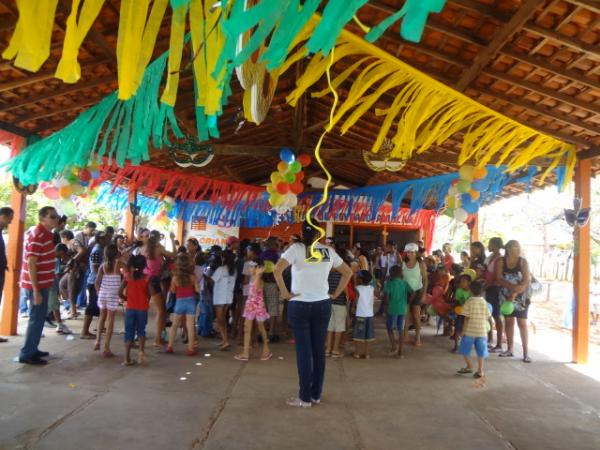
<point x="60" y="182"/>
<point x="291" y="200"/>
<point x="460" y="214"/>
<point x="452" y="190"/>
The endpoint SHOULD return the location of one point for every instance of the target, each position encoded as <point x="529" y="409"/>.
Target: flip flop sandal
<point x="477" y="375"/>
<point x="464" y="370"/>
<point x="337" y="355"/>
<point x="506" y="355"/>
<point x="526" y="359"/>
<point x="225" y="348"/>
<point x="107" y="354"/>
<point x="266" y="357"/>
<point x="241" y="358"/>
<point x="128" y="363"/>
<point x="327" y="354"/>
<point x="87" y="336"/>
<point x="96" y="347"/>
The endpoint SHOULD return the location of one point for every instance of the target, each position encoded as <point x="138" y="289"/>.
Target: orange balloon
<point x="479" y="173"/>
<point x="282" y="166"/>
<point x="65" y="192"/>
<point x="474" y="194"/>
<point x="299" y="176"/>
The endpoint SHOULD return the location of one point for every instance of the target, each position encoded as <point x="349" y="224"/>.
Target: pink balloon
<point x="427" y="299"/>
<point x="51" y="193"/>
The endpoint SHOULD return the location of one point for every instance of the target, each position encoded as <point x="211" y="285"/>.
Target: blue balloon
<point x="490" y="308"/>
<point x="287" y="155"/>
<point x="466" y="198"/>
<point x="480" y="185"/>
<point x="471" y="208"/>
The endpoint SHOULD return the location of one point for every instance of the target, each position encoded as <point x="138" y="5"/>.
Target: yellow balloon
<point x="270" y="189"/>
<point x="459" y="310"/>
<point x="282" y="166"/>
<point x="466" y="173"/>
<point x="451" y="202"/>
<point x="275" y="199"/>
<point x="275" y="178"/>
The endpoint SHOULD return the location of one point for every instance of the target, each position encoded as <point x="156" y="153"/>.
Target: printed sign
<point x="207" y="234"/>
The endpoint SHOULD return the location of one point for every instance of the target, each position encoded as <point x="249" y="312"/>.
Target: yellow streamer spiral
<point x="315" y="255"/>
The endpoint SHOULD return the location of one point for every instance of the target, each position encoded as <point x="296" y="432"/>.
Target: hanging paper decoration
<point x="414" y="15"/>
<point x="425" y="112"/>
<point x="191" y="153"/>
<point x="78" y="24"/>
<point x="382" y="161"/>
<point x="578" y="216"/>
<point x="30" y="42"/>
<point x="286" y="181"/>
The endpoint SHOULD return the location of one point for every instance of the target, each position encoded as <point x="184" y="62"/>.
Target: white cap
<point x="411" y="247"/>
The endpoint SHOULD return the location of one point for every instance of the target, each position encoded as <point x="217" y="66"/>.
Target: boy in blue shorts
<point x="474" y="332"/>
<point x="396" y="295"/>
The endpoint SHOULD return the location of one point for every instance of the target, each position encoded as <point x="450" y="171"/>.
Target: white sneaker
<point x="63" y="329"/>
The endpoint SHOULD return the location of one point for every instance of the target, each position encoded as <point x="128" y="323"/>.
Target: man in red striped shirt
<point x="37" y="277"/>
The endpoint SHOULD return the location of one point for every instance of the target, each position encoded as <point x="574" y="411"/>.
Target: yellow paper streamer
<point x="68" y="69"/>
<point x="169" y="94"/>
<point x="426" y="112"/>
<point x="30" y="43"/>
<point x="136" y="41"/>
<point x="315" y="255"/>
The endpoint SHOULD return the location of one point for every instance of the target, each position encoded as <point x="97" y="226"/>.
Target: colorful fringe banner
<point x="182" y="186"/>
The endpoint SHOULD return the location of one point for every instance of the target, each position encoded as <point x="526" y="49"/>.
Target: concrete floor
<point x="82" y="401"/>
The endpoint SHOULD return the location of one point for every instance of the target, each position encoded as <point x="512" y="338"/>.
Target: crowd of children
<point x="234" y="288"/>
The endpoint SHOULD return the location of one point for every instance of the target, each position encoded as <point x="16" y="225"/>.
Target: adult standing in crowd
<point x="477" y="259"/>
<point x="6" y="217"/>
<point x="96" y="259"/>
<point x="309" y="308"/>
<point x="156" y="254"/>
<point x="37" y="277"/>
<point x="62" y="223"/>
<point x="82" y="245"/>
<point x="447" y="258"/>
<point x="270" y="256"/>
<point x="414" y="272"/>
<point x="492" y="290"/>
<point x="513" y="276"/>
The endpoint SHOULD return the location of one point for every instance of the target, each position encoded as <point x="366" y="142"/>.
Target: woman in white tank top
<point x="414" y="273"/>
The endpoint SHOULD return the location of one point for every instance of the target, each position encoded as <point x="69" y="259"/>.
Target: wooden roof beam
<point x="57" y="111"/>
<point x="501" y="37"/>
<point x="71" y="88"/>
<point x="540" y="109"/>
<point x="590" y="49"/>
<point x="539" y="89"/>
<point x="543" y="63"/>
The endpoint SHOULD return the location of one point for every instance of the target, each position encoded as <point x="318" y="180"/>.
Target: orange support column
<point x="475" y="228"/>
<point x="581" y="270"/>
<point x="9" y="313"/>
<point x="180" y="231"/>
<point x="129" y="217"/>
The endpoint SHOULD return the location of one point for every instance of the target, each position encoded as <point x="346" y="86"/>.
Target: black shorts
<point x="155" y="284"/>
<point x="416" y="301"/>
<point x="492" y="296"/>
<point x="521" y="312"/>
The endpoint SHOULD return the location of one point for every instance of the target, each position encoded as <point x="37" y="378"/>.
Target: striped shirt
<point x="39" y="243"/>
<point x="476" y="310"/>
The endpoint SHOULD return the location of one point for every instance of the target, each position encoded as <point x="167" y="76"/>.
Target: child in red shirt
<point x="136" y="291"/>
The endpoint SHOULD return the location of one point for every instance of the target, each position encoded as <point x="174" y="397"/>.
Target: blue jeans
<point x="35" y="326"/>
<point x="23" y="306"/>
<point x="206" y="316"/>
<point x="309" y="322"/>
<point x="82" y="296"/>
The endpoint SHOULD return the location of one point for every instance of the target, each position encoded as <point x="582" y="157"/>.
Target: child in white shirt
<point x="364" y="331"/>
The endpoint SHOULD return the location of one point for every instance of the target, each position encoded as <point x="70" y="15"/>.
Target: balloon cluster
<point x="162" y="218"/>
<point x="436" y="302"/>
<point x="464" y="194"/>
<point x="286" y="181"/>
<point x="73" y="182"/>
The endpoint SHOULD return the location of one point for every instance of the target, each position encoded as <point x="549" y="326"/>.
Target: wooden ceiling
<point x="535" y="61"/>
